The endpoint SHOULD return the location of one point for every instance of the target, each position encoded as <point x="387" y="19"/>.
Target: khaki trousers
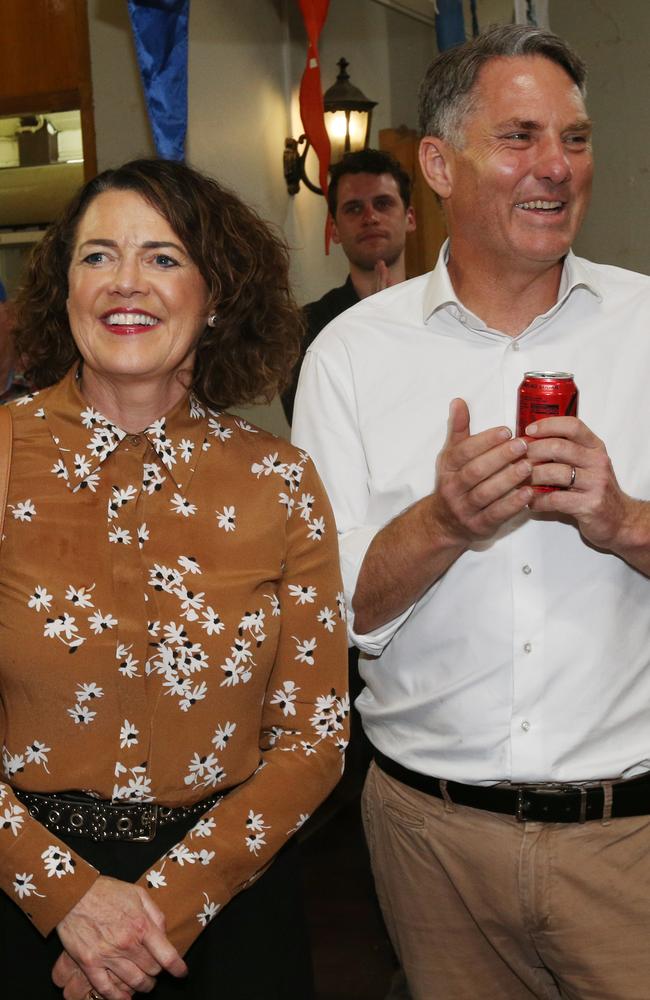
<point x="482" y="907"/>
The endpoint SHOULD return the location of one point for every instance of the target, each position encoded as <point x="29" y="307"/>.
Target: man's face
<point x="519" y="187"/>
<point x="371" y="222"/>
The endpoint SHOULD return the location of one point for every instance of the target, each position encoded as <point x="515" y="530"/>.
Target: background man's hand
<point x="115" y="935"/>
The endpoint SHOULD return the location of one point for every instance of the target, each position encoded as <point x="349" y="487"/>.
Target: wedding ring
<point x="94" y="995"/>
<point x="573" y="477"/>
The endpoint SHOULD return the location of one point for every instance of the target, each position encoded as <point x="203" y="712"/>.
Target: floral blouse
<point x="171" y="627"/>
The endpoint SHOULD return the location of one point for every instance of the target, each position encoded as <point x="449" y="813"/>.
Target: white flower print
<point x="23" y="511"/>
<point x="65" y="629"/>
<point x="182" y="506"/>
<point x="234" y="674"/>
<point x="36" y="753"/>
<point x="102" y="443"/>
<point x="128" y="665"/>
<point x="197" y="693"/>
<point x="293" y="476"/>
<point x="308" y="748"/>
<point x="100" y="622"/>
<point x="256" y="837"/>
<point x="316" y="529"/>
<point x="152" y="478"/>
<point x="304" y="650"/>
<point x="186" y="448"/>
<point x="341" y="606"/>
<point x="199" y="767"/>
<point x="57" y="862"/>
<point x="24" y="887"/>
<point x="13" y="818"/>
<point x="59" y="469"/>
<point x="91" y="482"/>
<point x="143" y="534"/>
<point x="165" y="451"/>
<point x="241" y="651"/>
<point x="226" y="518"/>
<point x="80" y="596"/>
<point x="82" y="466"/>
<point x="208" y="912"/>
<point x="327" y="718"/>
<point x="40" y="599"/>
<point x="189" y="564"/>
<point x="128" y="735"/>
<point x="305" y="505"/>
<point x="303" y="595"/>
<point x="204" y="857"/>
<point x="138" y="786"/>
<point x="302" y="819"/>
<point x="288" y="502"/>
<point x="164" y="578"/>
<point x="222" y="735"/>
<point x="174" y="633"/>
<point x="212" y="622"/>
<point x="285" y="697"/>
<point x="270" y="464"/>
<point x="156" y="879"/>
<point x="12" y="763"/>
<point x="275" y="604"/>
<point x="216" y="429"/>
<point x="245" y="426"/>
<point x="88" y="690"/>
<point x="327" y="618"/>
<point x="119" y="536"/>
<point x="203" y="828"/>
<point x="181" y="855"/>
<point x="191" y="603"/>
<point x="91" y="418"/>
<point x="81" y="714"/>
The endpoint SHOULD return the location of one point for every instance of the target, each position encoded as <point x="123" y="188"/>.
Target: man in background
<point x="508" y="701"/>
<point x="369" y="202"/>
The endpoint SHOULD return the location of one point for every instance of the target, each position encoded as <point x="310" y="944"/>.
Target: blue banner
<point x="450" y="24"/>
<point x="160" y="31"/>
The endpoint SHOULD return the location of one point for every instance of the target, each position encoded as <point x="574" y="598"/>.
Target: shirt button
<point x="528" y="647"/>
<point x="525" y="725"/>
<point x="515" y="345"/>
<point x="526" y="569"/>
<point x="135" y="440"/>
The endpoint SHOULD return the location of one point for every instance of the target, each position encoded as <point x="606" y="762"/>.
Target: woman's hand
<point x="115" y="937"/>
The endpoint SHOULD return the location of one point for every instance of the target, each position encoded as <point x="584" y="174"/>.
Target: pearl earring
<point x="212" y="319"/>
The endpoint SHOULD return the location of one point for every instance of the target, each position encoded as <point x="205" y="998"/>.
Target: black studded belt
<point x="549" y="803"/>
<point x="77" y="815"/>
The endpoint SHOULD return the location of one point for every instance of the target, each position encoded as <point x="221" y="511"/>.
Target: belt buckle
<point x="521" y="804"/>
<point x="148" y="818"/>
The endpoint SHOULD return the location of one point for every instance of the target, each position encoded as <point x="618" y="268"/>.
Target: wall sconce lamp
<point x="347" y="120"/>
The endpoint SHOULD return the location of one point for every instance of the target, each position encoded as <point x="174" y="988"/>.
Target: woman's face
<point x="137" y="303"/>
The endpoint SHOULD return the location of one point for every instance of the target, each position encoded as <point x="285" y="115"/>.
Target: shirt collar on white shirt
<point x="439" y="292"/>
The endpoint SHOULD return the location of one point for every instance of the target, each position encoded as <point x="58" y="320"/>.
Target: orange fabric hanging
<point x="314" y="14"/>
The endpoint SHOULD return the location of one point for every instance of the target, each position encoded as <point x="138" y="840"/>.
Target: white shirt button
<point x="515" y="345"/>
<point x="528" y="647"/>
<point x="526" y="569"/>
<point x="525" y="725"/>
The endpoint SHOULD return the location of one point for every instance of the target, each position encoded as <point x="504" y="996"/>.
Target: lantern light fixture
<point x="348" y="113"/>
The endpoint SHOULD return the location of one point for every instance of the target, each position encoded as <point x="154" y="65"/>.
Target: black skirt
<point x="256" y="948"/>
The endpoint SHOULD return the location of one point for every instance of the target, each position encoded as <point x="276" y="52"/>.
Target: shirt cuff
<point x="353" y="546"/>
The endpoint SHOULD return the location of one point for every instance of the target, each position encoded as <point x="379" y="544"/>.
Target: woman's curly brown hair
<point x="250" y="352"/>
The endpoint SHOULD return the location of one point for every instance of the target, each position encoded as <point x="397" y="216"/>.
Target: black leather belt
<point x="78" y="815"/>
<point x="550" y="803"/>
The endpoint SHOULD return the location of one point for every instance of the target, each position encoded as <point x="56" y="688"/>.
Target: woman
<point x="172" y="659"/>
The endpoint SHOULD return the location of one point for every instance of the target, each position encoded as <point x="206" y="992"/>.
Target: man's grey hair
<point x="447" y="92"/>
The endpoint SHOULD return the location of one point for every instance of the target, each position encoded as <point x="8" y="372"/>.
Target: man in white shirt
<point x="508" y="694"/>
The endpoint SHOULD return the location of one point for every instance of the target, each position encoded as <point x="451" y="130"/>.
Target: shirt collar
<point x="86" y="438"/>
<point x="439" y="292"/>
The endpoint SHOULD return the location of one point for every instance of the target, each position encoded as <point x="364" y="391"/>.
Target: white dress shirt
<point x="529" y="659"/>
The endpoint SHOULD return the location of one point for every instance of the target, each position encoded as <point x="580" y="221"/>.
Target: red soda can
<point x="542" y="395"/>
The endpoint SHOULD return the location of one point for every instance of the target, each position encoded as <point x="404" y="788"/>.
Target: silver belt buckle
<point x="149" y="818"/>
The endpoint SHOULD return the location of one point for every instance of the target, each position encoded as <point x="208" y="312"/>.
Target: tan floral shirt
<point x="171" y="626"/>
